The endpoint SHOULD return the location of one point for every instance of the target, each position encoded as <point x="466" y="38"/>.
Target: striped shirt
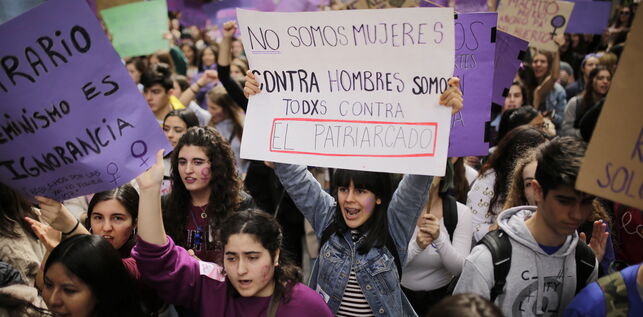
<point x="353" y="301"/>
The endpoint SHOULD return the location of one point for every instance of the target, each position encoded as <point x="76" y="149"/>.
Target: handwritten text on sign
<point x="72" y="121"/>
<point x="535" y="21"/>
<point x="475" y="42"/>
<point x="613" y="165"/>
<point x="350" y="89"/>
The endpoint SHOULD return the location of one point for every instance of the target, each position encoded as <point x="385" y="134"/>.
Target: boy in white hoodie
<point x="542" y="276"/>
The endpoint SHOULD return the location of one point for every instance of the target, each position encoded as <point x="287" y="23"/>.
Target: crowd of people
<point x="204" y="232"/>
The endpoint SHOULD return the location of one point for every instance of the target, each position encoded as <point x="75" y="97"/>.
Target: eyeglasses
<point x="625" y="13"/>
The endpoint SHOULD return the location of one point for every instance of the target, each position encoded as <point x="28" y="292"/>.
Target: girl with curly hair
<point x="206" y="188"/>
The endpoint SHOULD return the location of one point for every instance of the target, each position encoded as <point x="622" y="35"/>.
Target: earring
<point x="134" y="231"/>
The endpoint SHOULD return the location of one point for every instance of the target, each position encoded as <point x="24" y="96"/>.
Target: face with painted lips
<point x="249" y="266"/>
<point x="194" y="168"/>
<point x="65" y="294"/>
<point x="110" y="220"/>
<point x="602" y="82"/>
<point x="357" y="204"/>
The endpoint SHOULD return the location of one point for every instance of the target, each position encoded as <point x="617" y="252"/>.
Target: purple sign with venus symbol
<point x="72" y="121"/>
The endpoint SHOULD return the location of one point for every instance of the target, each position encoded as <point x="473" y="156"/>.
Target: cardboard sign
<point x="613" y="164"/>
<point x="355" y="89"/>
<point x="72" y="121"/>
<point x="475" y="46"/>
<point x="137" y="28"/>
<point x="509" y="53"/>
<point x="589" y="17"/>
<point x="535" y="21"/>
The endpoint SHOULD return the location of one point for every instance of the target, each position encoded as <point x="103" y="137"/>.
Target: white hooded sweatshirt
<point x="537" y="284"/>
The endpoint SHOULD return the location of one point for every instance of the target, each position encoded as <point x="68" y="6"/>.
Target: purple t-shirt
<point x="177" y="278"/>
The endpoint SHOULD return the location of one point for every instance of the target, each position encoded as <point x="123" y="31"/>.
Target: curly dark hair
<point x="225" y="183"/>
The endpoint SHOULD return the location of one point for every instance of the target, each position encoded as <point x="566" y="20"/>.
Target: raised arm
<point x="223" y="62"/>
<point x="189" y="94"/>
<point x="167" y="268"/>
<point x="453" y="253"/>
<point x="150" y="221"/>
<point x="307" y="194"/>
<point x="58" y="217"/>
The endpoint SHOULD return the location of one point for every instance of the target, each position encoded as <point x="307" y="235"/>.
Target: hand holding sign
<point x="452" y="97"/>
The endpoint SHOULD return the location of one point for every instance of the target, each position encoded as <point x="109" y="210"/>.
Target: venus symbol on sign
<point x="112" y="169"/>
<point x="557" y="22"/>
<point x="139" y="151"/>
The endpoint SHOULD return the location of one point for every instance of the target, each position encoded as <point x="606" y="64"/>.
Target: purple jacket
<point x="177" y="278"/>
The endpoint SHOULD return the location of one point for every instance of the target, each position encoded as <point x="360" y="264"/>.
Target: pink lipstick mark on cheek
<point x="265" y="273"/>
<point x="206" y="172"/>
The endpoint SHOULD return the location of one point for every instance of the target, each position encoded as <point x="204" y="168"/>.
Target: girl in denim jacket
<point x="365" y="230"/>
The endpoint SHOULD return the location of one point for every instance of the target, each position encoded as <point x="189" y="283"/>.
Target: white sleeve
<point x="414" y="249"/>
<point x="454" y="253"/>
<point x="478" y="200"/>
<point x="477" y="273"/>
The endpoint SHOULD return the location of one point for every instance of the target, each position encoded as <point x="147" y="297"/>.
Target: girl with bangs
<point x="365" y="227"/>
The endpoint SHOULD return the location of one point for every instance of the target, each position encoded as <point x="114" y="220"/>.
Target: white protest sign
<point x="535" y="21"/>
<point x="350" y="89"/>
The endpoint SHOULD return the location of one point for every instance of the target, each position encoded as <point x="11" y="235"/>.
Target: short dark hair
<point x="158" y="74"/>
<point x="96" y="263"/>
<point x="559" y="162"/>
<point x="513" y="118"/>
<point x="127" y="196"/>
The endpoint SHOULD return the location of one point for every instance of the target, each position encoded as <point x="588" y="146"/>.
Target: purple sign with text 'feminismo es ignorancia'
<point x="72" y="121"/>
<point x="475" y="46"/>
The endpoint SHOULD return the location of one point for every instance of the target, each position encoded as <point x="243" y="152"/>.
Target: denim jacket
<point x="376" y="271"/>
<point x="556" y="101"/>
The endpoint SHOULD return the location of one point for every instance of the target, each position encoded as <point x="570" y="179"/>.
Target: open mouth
<point x="351" y="213"/>
<point x="245" y="283"/>
<point x="190" y="180"/>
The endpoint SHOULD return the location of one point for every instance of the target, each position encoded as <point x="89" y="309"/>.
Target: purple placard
<point x="192" y="14"/>
<point x="589" y="17"/>
<point x="72" y="120"/>
<point x="469" y="6"/>
<point x="475" y="48"/>
<point x="435" y="3"/>
<point x="174" y="5"/>
<point x="509" y="50"/>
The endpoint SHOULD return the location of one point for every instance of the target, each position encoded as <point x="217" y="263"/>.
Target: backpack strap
<point x="585" y="263"/>
<point x="450" y="214"/>
<point x="615" y="294"/>
<point x="498" y="243"/>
